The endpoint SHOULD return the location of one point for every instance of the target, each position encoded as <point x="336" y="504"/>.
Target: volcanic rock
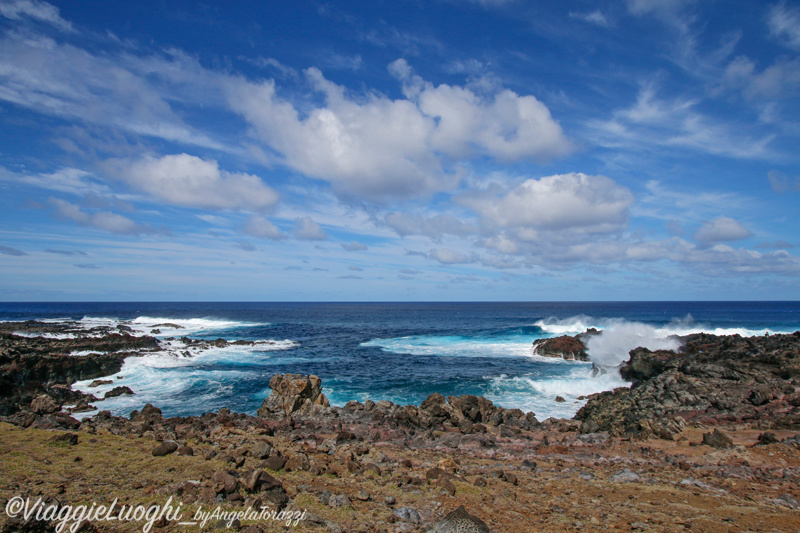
<point x="165" y="448"/>
<point x="567" y="347"/>
<point x="460" y="521"/>
<point x="711" y="380"/>
<point x="292" y="393"/>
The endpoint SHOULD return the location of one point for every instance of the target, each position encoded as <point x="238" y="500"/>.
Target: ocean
<point x="400" y="352"/>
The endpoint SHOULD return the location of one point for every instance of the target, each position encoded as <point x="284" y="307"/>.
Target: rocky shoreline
<point x="705" y="439"/>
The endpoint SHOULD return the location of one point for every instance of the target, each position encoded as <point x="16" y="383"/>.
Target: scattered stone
<point x="185" y="450"/>
<point x="274" y="463"/>
<point x="339" y="500"/>
<point x="560" y="399"/>
<point x="165" y="448"/>
<point x="625" y="476"/>
<point x="118" y="391"/>
<point x="69" y="439"/>
<point x="445" y="484"/>
<point x="44" y="404"/>
<point x="460" y="521"/>
<point x="717" y="439"/>
<point x="788" y="500"/>
<point x="224" y="482"/>
<point x="767" y="438"/>
<point x="408" y="514"/>
<point x="260" y="450"/>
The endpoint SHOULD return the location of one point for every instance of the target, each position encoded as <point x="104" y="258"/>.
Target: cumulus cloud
<point x="306" y="229"/>
<point x="502" y="125"/>
<point x="721" y="229"/>
<point x="103" y="220"/>
<point x="564" y="201"/>
<point x="377" y="147"/>
<point x="354" y="246"/>
<point x="189" y="181"/>
<point x="258" y="226"/>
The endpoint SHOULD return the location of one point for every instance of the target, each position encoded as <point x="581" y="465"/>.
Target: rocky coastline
<point x="705" y="439"/>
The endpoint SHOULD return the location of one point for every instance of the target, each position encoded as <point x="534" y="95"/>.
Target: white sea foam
<point x="538" y="393"/>
<point x="620" y="336"/>
<point x="456" y="346"/>
<point x="164" y="377"/>
<point x="45" y="335"/>
<point x="683" y="326"/>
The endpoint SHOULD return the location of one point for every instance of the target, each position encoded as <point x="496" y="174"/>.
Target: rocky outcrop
<point x="572" y="348"/>
<point x="292" y="393"/>
<point x="36" y="371"/>
<point x="713" y="380"/>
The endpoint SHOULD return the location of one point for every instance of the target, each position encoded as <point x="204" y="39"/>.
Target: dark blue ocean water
<point x="396" y="351"/>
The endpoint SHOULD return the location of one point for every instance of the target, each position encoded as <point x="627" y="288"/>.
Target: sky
<point x="412" y="150"/>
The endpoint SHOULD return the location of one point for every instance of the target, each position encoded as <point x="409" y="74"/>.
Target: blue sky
<point x="406" y="150"/>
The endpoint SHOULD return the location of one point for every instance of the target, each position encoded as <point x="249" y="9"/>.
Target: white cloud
<point x="354" y="246"/>
<point x="69" y="180"/>
<point x="34" y="9"/>
<point x="432" y="226"/>
<point x="124" y="92"/>
<point x="103" y="220"/>
<point x="447" y="256"/>
<point x="306" y="229"/>
<point x="596" y="17"/>
<point x="780" y="182"/>
<point x="566" y="201"/>
<point x="668" y="11"/>
<point x="655" y="123"/>
<point x="502" y="125"/>
<point x="189" y="181"/>
<point x="377" y="147"/>
<point x="721" y="229"/>
<point x="258" y="226"/>
<point x="784" y="23"/>
<point x="779" y="80"/>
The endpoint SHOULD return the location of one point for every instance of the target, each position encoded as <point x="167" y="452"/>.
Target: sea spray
<point x="612" y="346"/>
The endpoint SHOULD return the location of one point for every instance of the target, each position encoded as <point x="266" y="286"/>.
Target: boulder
<point x="118" y="391"/>
<point x="293" y="393"/>
<point x="165" y="448"/>
<point x="460" y="521"/>
<point x="717" y="439"/>
<point x="44" y="404"/>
